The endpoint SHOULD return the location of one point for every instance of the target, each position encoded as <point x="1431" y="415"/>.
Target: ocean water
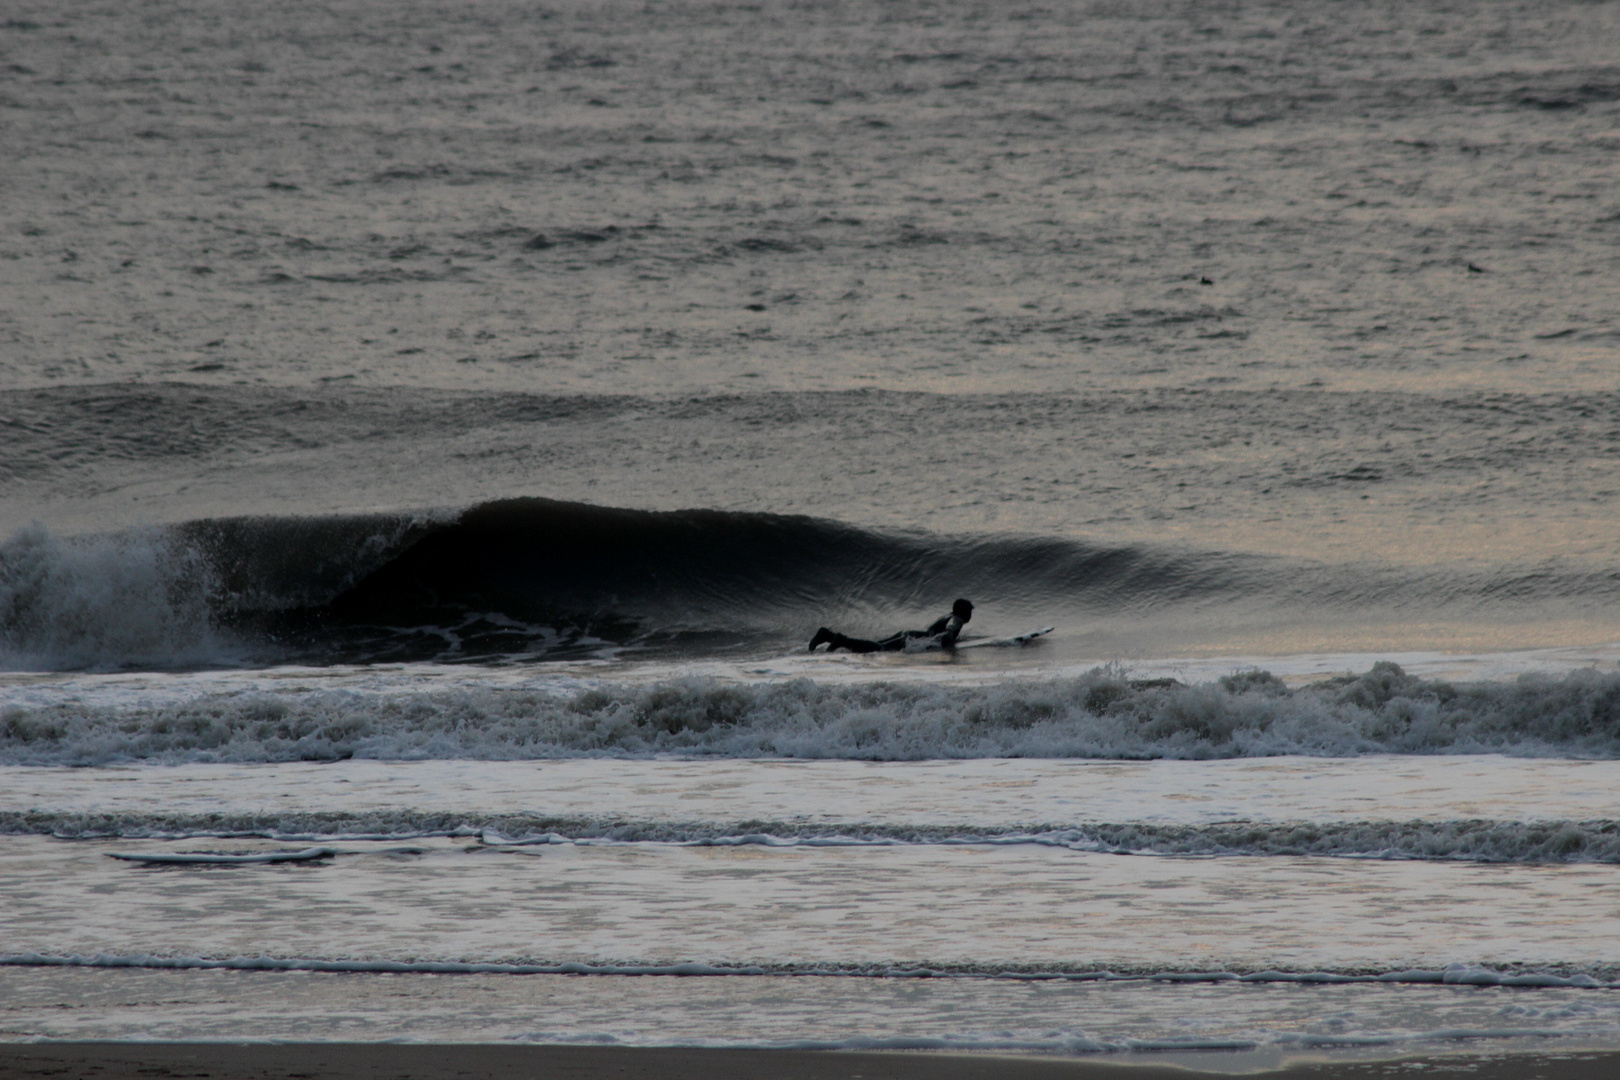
<point x="429" y="437"/>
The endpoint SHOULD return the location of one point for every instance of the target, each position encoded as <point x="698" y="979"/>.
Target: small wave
<point x="1475" y="841"/>
<point x="1102" y="714"/>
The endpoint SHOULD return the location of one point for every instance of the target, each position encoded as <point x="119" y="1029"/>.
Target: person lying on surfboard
<point x="942" y="635"/>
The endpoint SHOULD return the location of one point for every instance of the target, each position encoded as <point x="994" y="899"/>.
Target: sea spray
<point x="141" y="597"/>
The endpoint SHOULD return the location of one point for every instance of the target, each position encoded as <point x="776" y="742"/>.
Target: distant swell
<point x="1099" y="715"/>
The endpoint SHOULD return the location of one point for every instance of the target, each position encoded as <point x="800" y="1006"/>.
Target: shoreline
<point x="445" y="1061"/>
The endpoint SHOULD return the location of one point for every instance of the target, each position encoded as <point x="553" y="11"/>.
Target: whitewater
<point x="429" y="439"/>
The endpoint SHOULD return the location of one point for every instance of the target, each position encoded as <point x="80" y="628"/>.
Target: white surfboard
<point x="1004" y="642"/>
<point x="201" y="858"/>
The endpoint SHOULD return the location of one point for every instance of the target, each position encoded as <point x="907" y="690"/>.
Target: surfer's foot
<point x="823" y="636"/>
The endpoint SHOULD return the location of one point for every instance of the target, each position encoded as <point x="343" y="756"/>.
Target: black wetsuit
<point x="946" y="629"/>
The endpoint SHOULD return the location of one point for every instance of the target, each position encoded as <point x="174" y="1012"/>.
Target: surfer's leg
<point x="835" y="641"/>
<point x="893" y="643"/>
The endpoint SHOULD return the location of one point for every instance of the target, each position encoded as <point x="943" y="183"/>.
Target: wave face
<point x="527" y="577"/>
<point x="1099" y="715"/>
<point x="540" y="578"/>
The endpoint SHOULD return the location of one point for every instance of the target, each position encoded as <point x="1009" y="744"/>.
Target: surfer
<point x="942" y="634"/>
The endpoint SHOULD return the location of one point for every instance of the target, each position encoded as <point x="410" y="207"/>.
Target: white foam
<point x="1100" y="714"/>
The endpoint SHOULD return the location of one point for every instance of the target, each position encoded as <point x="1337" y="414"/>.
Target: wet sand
<point x="372" y="1061"/>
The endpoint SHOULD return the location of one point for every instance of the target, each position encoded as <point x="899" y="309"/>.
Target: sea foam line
<point x="1558" y="841"/>
<point x="1456" y="974"/>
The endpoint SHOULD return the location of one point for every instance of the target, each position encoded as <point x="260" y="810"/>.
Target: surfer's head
<point x="962" y="609"/>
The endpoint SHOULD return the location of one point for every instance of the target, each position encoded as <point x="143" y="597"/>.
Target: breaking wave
<point x="1102" y="714"/>
<point x="536" y="578"/>
<point x="520" y="577"/>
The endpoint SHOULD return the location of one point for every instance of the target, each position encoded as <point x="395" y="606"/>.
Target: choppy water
<point x="433" y="435"/>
